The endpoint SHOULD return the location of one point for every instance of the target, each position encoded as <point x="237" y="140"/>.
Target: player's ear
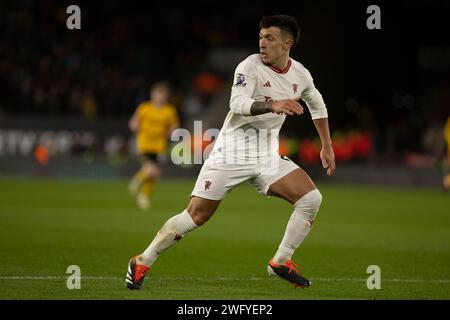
<point x="289" y="43"/>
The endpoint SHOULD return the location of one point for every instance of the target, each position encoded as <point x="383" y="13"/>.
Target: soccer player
<point x="266" y="89"/>
<point x="153" y="122"/>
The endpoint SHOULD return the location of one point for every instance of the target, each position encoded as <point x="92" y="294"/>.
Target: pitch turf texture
<point x="47" y="225"/>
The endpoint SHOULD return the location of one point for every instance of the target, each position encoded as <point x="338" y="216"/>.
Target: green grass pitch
<point x="48" y="224"/>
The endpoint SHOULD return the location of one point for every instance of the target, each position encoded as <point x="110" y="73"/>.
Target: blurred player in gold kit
<point x="152" y="122"/>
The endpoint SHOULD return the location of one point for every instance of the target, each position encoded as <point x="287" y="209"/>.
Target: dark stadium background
<point x="389" y="88"/>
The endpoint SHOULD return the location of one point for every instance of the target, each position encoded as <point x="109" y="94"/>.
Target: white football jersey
<point x="252" y="139"/>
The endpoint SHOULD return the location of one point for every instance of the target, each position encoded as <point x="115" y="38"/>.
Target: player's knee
<point x="308" y="205"/>
<point x="156" y="173"/>
<point x="152" y="172"/>
<point x="147" y="171"/>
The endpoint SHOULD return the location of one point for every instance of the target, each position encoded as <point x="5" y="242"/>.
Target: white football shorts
<point x="216" y="180"/>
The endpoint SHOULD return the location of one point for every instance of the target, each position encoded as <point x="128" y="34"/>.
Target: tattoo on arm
<point x="260" y="107"/>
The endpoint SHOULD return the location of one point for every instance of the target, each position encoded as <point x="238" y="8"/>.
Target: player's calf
<point x="171" y="232"/>
<point x="299" y="225"/>
<point x="202" y="209"/>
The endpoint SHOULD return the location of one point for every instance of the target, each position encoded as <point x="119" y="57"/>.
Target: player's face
<point x="159" y="95"/>
<point x="273" y="44"/>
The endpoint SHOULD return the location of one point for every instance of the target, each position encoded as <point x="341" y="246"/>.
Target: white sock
<point x="171" y="232"/>
<point x="299" y="225"/>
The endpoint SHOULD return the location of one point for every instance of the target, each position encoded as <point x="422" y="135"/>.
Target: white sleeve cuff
<point x="319" y="113"/>
<point x="241" y="105"/>
<point x="246" y="106"/>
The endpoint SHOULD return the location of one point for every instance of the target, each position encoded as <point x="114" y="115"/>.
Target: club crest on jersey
<point x="240" y="80"/>
<point x="295" y="87"/>
<point x="207" y="185"/>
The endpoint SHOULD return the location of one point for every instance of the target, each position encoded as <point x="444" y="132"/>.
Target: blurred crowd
<point x="105" y="69"/>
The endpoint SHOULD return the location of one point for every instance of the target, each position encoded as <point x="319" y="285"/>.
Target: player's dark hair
<point x="160" y="85"/>
<point x="286" y="23"/>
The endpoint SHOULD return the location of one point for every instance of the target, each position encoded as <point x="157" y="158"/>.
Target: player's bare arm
<point x="289" y="107"/>
<point x="170" y="130"/>
<point x="260" y="107"/>
<point x="327" y="153"/>
<point x="133" y="124"/>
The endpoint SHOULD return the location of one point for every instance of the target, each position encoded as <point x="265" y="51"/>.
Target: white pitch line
<point x="56" y="278"/>
<point x="222" y="279"/>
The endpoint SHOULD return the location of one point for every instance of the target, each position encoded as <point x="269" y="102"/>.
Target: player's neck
<point x="281" y="63"/>
<point x="157" y="104"/>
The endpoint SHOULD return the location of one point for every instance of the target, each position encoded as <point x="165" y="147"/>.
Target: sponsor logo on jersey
<point x="267" y="84"/>
<point x="295" y="87"/>
<point x="240" y="80"/>
<point x="207" y="185"/>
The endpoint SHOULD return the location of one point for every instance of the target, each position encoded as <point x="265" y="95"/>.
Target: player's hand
<point x="327" y="157"/>
<point x="133" y="124"/>
<point x="289" y="107"/>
